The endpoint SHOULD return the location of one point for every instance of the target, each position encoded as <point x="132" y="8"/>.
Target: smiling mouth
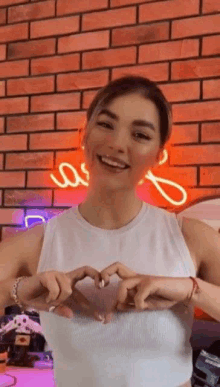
<point x="111" y="167"/>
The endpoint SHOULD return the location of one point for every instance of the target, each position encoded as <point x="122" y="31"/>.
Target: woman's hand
<point x="59" y="288"/>
<point x="144" y="292"/>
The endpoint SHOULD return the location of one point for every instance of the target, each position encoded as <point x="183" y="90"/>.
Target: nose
<point x="117" y="142"/>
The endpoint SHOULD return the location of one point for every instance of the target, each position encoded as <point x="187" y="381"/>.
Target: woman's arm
<point x="206" y="241"/>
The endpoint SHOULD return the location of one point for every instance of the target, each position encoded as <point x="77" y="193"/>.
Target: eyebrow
<point x="136" y="122"/>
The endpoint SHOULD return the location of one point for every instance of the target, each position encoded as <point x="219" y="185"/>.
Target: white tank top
<point x="137" y="349"/>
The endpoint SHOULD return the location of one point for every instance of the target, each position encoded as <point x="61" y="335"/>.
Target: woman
<point x="113" y="231"/>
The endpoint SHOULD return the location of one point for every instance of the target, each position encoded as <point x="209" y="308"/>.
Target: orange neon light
<point x="149" y="176"/>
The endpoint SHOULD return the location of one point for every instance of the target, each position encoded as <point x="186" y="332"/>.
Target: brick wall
<point x="54" y="57"/>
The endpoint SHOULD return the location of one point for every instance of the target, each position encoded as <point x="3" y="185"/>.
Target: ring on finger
<point x="51" y="309"/>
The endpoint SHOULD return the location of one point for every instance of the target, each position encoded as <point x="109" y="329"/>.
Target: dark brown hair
<point x="130" y="84"/>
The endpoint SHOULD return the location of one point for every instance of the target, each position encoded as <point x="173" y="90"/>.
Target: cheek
<point x="146" y="158"/>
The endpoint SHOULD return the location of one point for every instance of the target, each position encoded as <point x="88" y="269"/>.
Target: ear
<point x="159" y="156"/>
<point x="83" y="140"/>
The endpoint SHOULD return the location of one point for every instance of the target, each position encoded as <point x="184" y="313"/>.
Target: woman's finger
<point x="116" y="268"/>
<point x="82" y="272"/>
<point x="77" y="301"/>
<point x="60" y="289"/>
<point x="125" y="287"/>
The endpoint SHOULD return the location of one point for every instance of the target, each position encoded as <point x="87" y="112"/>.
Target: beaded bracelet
<point x="14" y="293"/>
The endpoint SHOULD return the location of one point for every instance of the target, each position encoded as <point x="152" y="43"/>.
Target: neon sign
<point x="33" y="217"/>
<point x="79" y="180"/>
<point x="149" y="176"/>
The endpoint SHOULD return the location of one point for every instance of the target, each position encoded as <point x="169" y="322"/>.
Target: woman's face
<point x="137" y="144"/>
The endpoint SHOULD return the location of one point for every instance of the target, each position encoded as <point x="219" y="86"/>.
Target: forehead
<point x="134" y="106"/>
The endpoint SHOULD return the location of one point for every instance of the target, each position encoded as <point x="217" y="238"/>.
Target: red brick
<point x="195" y="154"/>
<point x="14" y="69"/>
<point x="211" y="45"/>
<point x="169" y="50"/>
<point x="201" y="25"/>
<point x="157" y="72"/>
<point x="181" y="91"/>
<point x="2" y="88"/>
<point x="32" y="48"/>
<point x="55" y="64"/>
<point x="84" y="80"/>
<point x="168" y="10"/>
<point x="2" y="123"/>
<point x="75" y="159"/>
<point x="183" y="176"/>
<point x="199" y="111"/>
<point x="88" y="97"/>
<point x="65" y="7"/>
<point x="195" y="68"/>
<point x="2" y="16"/>
<point x="209" y="175"/>
<point x="31" y="11"/>
<point x="36" y="85"/>
<point x="13" y="142"/>
<point x="58" y="26"/>
<point x="11" y="179"/>
<point x="29" y="160"/>
<point x="13" y="105"/>
<point x="10" y="2"/>
<point x="211" y="89"/>
<point x="14" y="32"/>
<point x="211" y="132"/>
<point x="30" y="123"/>
<point x="119" y="3"/>
<point x="55" y="102"/>
<point x="73" y="120"/>
<point x="43" y="179"/>
<point x="110" y="18"/>
<point x="109" y="58"/>
<point x="140" y="34"/>
<point x="81" y="42"/>
<point x="184" y="134"/>
<point x="2" y="51"/>
<point x="209" y="6"/>
<point x="29" y="198"/>
<point x="10" y="215"/>
<point x="53" y="140"/>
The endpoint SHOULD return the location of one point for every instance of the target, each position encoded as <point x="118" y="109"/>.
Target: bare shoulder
<point x="34" y="238"/>
<point x="19" y="254"/>
<point x="201" y="239"/>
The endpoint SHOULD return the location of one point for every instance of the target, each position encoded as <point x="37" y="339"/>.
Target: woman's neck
<point x="109" y="217"/>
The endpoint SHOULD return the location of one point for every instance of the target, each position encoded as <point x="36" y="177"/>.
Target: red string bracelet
<point x="195" y="287"/>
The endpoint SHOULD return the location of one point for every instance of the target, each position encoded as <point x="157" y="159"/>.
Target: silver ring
<point x="51" y="309"/>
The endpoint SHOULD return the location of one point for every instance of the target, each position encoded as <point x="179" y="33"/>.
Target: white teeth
<point x="106" y="160"/>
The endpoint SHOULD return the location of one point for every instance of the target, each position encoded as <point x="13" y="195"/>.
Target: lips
<point x="111" y="168"/>
<point x="115" y="159"/>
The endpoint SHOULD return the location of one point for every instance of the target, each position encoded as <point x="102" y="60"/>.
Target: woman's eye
<point x="101" y="123"/>
<point x="143" y="135"/>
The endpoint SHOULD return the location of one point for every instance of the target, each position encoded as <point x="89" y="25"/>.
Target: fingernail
<point x="102" y="284"/>
<point x="101" y="317"/>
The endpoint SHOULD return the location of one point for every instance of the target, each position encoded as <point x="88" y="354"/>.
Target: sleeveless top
<point x="137" y="349"/>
